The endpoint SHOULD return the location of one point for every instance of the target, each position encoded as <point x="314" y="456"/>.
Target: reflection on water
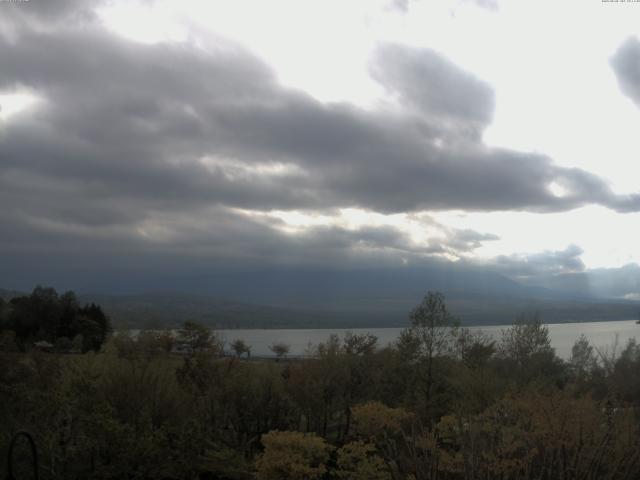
<point x="563" y="336"/>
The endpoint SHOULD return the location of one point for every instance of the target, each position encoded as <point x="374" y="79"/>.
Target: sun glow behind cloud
<point x="608" y="240"/>
<point x="421" y="230"/>
<point x="161" y="22"/>
<point x="234" y="169"/>
<point x="15" y="103"/>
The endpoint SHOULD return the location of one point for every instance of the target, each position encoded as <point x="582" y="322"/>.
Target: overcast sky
<point x="166" y="137"/>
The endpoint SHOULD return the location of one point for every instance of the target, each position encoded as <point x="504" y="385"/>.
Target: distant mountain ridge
<point x="350" y="299"/>
<point x="601" y="283"/>
<point x="309" y="287"/>
<point x="170" y="310"/>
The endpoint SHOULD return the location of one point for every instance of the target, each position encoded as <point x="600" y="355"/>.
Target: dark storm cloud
<point x="626" y="65"/>
<point x="430" y="85"/>
<point x="162" y="252"/>
<point x="136" y="120"/>
<point x="143" y="151"/>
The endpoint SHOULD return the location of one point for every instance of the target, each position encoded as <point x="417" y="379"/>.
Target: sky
<point x="153" y="139"/>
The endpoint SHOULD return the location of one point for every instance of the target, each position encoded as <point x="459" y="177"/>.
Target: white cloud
<point x="15" y="102"/>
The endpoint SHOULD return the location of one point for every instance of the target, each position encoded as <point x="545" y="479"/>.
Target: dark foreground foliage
<point x="440" y="403"/>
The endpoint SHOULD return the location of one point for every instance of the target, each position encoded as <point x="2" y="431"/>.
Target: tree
<point x="583" y="358"/>
<point x="475" y="348"/>
<point x="77" y="343"/>
<point x="147" y="343"/>
<point x="23" y="320"/>
<point x="375" y="420"/>
<point x="92" y="322"/>
<point x="196" y="338"/>
<point x="385" y="427"/>
<point x="292" y="456"/>
<point x="358" y="461"/>
<point x="92" y="333"/>
<point x="63" y="344"/>
<point x="44" y="304"/>
<point x="8" y="341"/>
<point x="359" y="344"/>
<point x="240" y="347"/>
<point x="526" y="350"/>
<point x="4" y="310"/>
<point x="434" y="330"/>
<point x="625" y="377"/>
<point x="280" y="349"/>
<point x="45" y="315"/>
<point x="527" y="337"/>
<point x="68" y="310"/>
<point x="354" y="371"/>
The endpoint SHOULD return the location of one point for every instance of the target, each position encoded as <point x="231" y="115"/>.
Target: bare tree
<point x="434" y="329"/>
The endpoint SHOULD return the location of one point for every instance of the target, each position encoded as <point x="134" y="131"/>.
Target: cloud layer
<point x="176" y="149"/>
<point x="626" y="65"/>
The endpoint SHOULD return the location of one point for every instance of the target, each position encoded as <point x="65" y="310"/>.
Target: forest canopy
<point x="439" y="403"/>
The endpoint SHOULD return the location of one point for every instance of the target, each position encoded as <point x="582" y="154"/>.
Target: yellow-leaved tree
<point x="359" y="461"/>
<point x="292" y="456"/>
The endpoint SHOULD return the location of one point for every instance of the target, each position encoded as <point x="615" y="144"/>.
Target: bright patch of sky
<point x="608" y="239"/>
<point x="15" y="102"/>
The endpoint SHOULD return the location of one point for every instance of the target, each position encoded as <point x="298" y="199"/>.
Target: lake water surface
<point x="563" y="335"/>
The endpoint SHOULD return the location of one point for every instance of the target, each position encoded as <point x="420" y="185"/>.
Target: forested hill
<point x="169" y="310"/>
<point x="162" y="309"/>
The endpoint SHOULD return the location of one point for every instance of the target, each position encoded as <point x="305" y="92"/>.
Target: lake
<point x="563" y="336"/>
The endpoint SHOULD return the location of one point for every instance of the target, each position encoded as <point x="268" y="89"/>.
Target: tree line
<point x="57" y="320"/>
<point x="439" y="403"/>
